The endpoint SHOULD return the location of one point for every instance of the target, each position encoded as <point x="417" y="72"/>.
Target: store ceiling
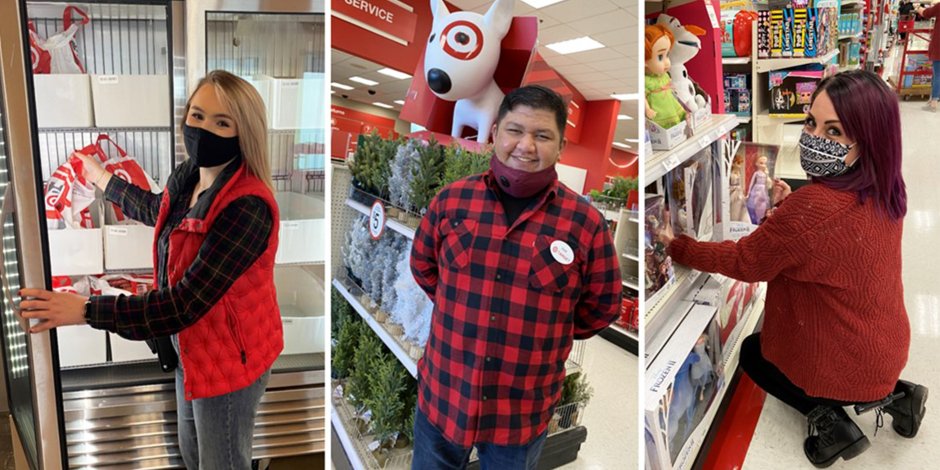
<point x="596" y="74"/>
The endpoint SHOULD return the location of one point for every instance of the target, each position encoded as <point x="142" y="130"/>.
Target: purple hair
<point x="868" y="111"/>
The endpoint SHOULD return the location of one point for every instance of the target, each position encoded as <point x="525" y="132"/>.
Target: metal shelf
<point x="626" y="340"/>
<point x="390" y="223"/>
<point x="377" y="327"/>
<point x="631" y="284"/>
<point x="767" y="65"/>
<point x="631" y="256"/>
<point x="662" y="161"/>
<point x="347" y="441"/>
<point x="744" y="119"/>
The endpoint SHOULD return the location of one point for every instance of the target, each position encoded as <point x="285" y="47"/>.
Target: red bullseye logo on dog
<point x="462" y="40"/>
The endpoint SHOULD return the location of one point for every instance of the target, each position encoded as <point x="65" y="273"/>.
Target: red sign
<point x="378" y="16"/>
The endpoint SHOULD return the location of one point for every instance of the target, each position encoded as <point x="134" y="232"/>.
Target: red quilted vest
<point x="241" y="336"/>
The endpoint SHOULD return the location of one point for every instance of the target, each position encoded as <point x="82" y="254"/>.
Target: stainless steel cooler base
<point x="125" y="416"/>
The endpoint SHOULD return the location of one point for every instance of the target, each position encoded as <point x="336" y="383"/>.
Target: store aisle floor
<point x="611" y="416"/>
<point x="778" y="438"/>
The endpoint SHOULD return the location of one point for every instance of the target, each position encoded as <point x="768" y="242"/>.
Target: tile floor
<point x="611" y="416"/>
<point x="778" y="439"/>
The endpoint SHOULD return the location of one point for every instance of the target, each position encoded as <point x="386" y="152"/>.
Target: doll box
<point x="302" y="235"/>
<point x="683" y="384"/>
<point x="791" y="91"/>
<point x="63" y="100"/>
<point x="76" y="252"/>
<point x="128" y="247"/>
<point x="665" y="139"/>
<point x="131" y="100"/>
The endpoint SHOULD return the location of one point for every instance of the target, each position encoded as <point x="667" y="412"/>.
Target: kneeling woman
<point x="835" y="328"/>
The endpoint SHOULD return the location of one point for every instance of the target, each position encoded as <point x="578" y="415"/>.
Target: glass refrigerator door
<point x="15" y="342"/>
<point x="279" y="47"/>
<point x="282" y="55"/>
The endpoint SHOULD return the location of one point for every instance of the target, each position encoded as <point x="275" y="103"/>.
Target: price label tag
<point x="377" y="220"/>
<point x="290" y="225"/>
<point x="712" y="16"/>
<point x="119" y="231"/>
<point x="107" y="79"/>
<point x="374" y="445"/>
<point x="671" y="162"/>
<point x="704" y="141"/>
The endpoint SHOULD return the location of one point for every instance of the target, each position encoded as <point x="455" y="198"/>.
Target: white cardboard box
<point x="128" y="247"/>
<point x="80" y="345"/>
<point x="300" y="296"/>
<point x="131" y="100"/>
<point x="63" y="100"/>
<point x="124" y="350"/>
<point x="302" y="236"/>
<point x="76" y="252"/>
<point x="297" y="102"/>
<point x="264" y="84"/>
<point x="665" y="139"/>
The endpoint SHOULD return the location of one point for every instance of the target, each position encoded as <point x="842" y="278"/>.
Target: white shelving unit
<point x="735" y="60"/>
<point x="662" y="161"/>
<point x="767" y="65"/>
<point x="393" y="343"/>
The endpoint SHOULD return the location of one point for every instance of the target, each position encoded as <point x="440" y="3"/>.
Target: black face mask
<point x="209" y="149"/>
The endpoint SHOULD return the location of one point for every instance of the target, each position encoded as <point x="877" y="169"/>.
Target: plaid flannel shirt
<point x="506" y="309"/>
<point x="236" y="240"/>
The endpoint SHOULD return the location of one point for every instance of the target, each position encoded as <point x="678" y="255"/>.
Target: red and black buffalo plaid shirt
<point x="506" y="309"/>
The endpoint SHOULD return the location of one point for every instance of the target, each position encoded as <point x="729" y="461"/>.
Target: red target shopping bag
<point x="68" y="197"/>
<point x="57" y="54"/>
<point x="121" y="166"/>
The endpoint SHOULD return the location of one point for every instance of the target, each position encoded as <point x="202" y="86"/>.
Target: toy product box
<point x="659" y="270"/>
<point x="776" y="33"/>
<point x="735" y="302"/>
<point x="665" y="139"/>
<point x="735" y="80"/>
<point x="691" y="205"/>
<point x="792" y="90"/>
<point x="763" y="34"/>
<point x="738" y="101"/>
<point x="683" y="383"/>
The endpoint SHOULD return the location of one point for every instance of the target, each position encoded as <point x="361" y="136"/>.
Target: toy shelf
<point x="769" y="65"/>
<point x="735" y="60"/>
<point x="661" y="162"/>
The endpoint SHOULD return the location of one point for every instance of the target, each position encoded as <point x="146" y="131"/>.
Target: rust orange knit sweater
<point x="834" y="322"/>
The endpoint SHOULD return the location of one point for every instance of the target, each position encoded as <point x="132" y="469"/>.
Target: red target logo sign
<point x="462" y="40"/>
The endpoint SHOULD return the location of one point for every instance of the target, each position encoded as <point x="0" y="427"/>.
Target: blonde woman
<point x="215" y="240"/>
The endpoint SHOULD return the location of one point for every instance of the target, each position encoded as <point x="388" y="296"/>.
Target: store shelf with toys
<point x="712" y="189"/>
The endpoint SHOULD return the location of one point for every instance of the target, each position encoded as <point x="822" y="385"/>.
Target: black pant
<point x="768" y="377"/>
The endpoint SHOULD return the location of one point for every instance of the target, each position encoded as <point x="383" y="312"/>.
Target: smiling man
<point x="518" y="266"/>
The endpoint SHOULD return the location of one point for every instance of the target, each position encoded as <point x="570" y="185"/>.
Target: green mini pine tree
<point x="345" y="349"/>
<point x="426" y="180"/>
<point x="460" y="163"/>
<point x="341" y="312"/>
<point x="387" y="382"/>
<point x="368" y="352"/>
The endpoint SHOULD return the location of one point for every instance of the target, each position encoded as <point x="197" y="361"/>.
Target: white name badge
<point x="562" y="252"/>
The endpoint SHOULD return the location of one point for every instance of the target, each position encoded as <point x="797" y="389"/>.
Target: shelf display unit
<point x="349" y="211"/>
<point x="98" y="399"/>
<point x="690" y="316"/>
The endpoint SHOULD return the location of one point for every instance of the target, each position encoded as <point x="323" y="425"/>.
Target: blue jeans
<point x="935" y="81"/>
<point x="216" y="433"/>
<point x="434" y="452"/>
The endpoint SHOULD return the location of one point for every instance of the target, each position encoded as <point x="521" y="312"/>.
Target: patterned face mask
<point x="823" y="157"/>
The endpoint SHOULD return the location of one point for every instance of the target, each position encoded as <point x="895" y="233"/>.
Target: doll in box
<point x="736" y="191"/>
<point x="758" y="197"/>
<point x="662" y="107"/>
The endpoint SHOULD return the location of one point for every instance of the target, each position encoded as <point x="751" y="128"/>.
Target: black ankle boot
<point x="836" y="435"/>
<point x="908" y="412"/>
